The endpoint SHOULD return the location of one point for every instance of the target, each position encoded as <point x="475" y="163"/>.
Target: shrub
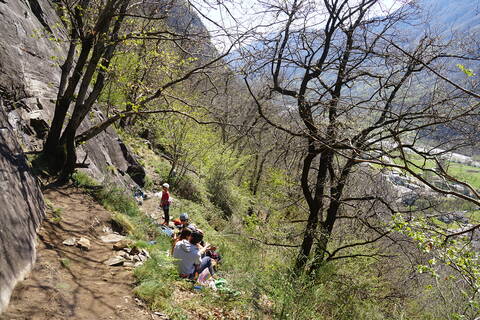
<point x="191" y="188"/>
<point x="116" y="199"/>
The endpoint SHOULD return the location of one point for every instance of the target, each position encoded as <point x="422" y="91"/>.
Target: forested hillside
<point x="328" y="150"/>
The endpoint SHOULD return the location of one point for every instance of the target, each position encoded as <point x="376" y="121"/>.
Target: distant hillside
<point x="451" y="16"/>
<point x="183" y="19"/>
<point x="441" y="17"/>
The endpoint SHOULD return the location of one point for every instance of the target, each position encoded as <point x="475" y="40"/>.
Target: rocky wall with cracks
<point x="32" y="46"/>
<point x="21" y="212"/>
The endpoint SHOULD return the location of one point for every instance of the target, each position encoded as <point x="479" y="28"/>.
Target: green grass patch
<point x="83" y="180"/>
<point x="116" y="199"/>
<point x="124" y="222"/>
<point x="465" y="173"/>
<point x="65" y="262"/>
<point x="56" y="212"/>
<point x="56" y="215"/>
<point x="155" y="279"/>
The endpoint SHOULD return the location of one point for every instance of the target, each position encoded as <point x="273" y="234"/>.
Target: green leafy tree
<point x="97" y="29"/>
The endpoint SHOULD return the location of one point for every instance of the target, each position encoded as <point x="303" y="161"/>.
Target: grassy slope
<point x="260" y="273"/>
<point x="258" y="276"/>
<point x="158" y="283"/>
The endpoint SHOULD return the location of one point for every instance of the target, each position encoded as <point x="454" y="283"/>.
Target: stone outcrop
<point x="31" y="48"/>
<point x="32" y="45"/>
<point x="21" y="212"/>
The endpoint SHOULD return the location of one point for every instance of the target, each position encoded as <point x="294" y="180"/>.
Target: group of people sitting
<point x="193" y="255"/>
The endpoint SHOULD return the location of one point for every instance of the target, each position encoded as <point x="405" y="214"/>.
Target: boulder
<point x="38" y="124"/>
<point x="134" y="169"/>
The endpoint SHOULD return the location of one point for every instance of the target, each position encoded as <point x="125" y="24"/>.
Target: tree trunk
<point x="52" y="149"/>
<point x="259" y="173"/>
<point x="336" y="193"/>
<point x="71" y="157"/>
<point x="254" y="173"/>
<point x="315" y="202"/>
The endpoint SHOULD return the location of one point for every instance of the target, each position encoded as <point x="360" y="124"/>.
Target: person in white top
<point x="189" y="256"/>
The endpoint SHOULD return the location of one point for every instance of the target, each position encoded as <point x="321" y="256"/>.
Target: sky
<point x="241" y="15"/>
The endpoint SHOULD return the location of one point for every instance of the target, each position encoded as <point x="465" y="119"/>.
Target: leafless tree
<point x="357" y="86"/>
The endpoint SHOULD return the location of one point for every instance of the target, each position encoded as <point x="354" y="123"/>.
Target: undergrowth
<point x="157" y="279"/>
<point x="261" y="284"/>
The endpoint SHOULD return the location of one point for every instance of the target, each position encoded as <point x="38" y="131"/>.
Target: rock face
<point x="31" y="48"/>
<point x="21" y="212"/>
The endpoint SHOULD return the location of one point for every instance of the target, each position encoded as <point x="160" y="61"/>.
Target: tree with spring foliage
<point x="97" y="29"/>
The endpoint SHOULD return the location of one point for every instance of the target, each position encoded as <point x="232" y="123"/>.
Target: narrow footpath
<point x="71" y="282"/>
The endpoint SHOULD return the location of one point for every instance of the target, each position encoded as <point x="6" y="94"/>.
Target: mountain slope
<point x="451" y="16"/>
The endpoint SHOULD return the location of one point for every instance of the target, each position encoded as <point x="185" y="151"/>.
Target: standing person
<point x="165" y="203"/>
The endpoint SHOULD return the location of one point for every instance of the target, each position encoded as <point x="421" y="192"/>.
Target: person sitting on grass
<point x="180" y="221"/>
<point x="183" y="221"/>
<point x="184" y="234"/>
<point x="182" y="224"/>
<point x="189" y="256"/>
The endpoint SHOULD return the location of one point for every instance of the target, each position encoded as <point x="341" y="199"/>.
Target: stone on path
<point x="134" y="251"/>
<point x="70" y="242"/>
<point x="115" y="261"/>
<point x="84" y="243"/>
<point x="112" y="238"/>
<point x="122" y="244"/>
<point x="145" y="253"/>
<point x="123" y="254"/>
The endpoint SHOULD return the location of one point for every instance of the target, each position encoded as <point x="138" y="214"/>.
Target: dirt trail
<point x="71" y="283"/>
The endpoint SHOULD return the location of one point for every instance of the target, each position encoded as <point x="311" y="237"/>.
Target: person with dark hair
<point x="183" y="221"/>
<point x="184" y="234"/>
<point x="189" y="256"/>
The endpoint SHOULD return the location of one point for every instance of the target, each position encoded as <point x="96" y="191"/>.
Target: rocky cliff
<point x="21" y="211"/>
<point x="31" y="48"/>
